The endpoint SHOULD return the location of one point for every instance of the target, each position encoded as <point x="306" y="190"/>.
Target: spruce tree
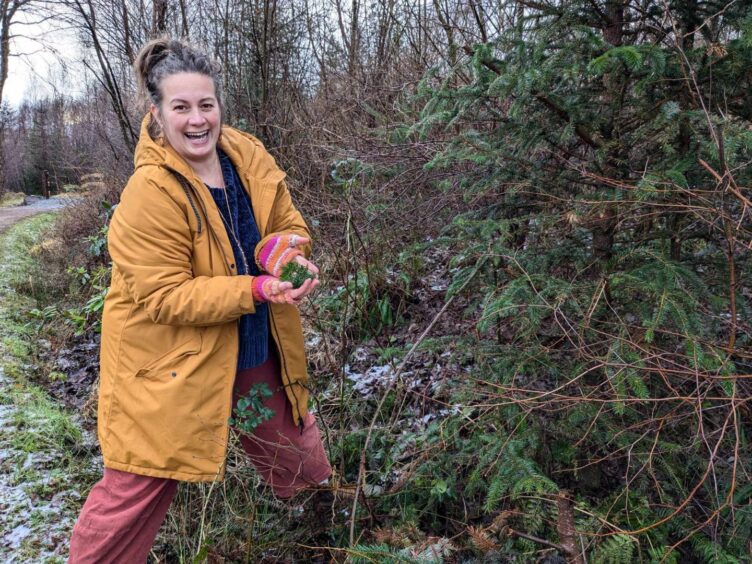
<point x="603" y="146"/>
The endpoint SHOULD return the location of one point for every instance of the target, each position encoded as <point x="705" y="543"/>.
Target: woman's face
<point x="189" y="115"/>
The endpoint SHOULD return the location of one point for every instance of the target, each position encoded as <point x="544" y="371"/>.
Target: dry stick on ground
<point x="539" y="540"/>
<point x="570" y="544"/>
<point x="400" y="369"/>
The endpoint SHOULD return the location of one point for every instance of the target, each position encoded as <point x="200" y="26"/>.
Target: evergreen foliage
<point x="597" y="153"/>
<point x="295" y="273"/>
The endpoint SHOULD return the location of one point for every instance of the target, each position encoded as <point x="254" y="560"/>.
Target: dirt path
<point x="35" y="205"/>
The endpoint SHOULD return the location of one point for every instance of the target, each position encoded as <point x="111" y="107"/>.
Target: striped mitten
<point x="277" y="251"/>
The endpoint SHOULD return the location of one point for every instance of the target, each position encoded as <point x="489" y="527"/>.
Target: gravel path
<point x="35" y="205"/>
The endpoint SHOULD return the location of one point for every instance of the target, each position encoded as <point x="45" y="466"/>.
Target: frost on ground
<point x="425" y="385"/>
<point x="375" y="378"/>
<point x="38" y="502"/>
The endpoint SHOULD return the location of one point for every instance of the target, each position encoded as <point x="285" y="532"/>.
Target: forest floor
<point x="46" y="456"/>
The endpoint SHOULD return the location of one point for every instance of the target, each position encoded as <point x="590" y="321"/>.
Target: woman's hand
<point x="271" y="289"/>
<point x="307" y="288"/>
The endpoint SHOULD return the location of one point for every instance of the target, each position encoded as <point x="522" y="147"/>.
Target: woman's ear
<point x="155" y="114"/>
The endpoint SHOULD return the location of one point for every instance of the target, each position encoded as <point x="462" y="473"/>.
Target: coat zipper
<point x="189" y="186"/>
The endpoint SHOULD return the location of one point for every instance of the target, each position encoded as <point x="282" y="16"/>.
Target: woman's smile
<point x="198" y="136"/>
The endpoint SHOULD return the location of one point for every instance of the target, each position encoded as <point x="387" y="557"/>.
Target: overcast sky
<point x="40" y="52"/>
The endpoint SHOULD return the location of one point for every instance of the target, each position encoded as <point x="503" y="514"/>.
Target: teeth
<point x="197" y="135"/>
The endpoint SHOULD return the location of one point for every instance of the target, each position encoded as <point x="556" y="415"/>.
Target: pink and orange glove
<point x="280" y="249"/>
<point x="271" y="289"/>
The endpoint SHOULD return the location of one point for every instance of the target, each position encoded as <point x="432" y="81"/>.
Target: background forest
<point x="532" y="343"/>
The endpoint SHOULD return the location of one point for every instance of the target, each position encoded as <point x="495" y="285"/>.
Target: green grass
<point x="11" y="199"/>
<point x="41" y="424"/>
<point x="16" y="347"/>
<point x="21" y="267"/>
<point x="19" y="270"/>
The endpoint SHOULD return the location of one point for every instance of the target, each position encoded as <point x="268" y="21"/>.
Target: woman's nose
<point x="196" y="118"/>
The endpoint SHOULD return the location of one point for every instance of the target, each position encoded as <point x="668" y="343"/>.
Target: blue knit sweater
<point x="253" y="328"/>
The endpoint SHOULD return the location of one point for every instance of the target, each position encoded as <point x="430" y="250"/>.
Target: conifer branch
<point x="580" y="129"/>
<point x="398" y="373"/>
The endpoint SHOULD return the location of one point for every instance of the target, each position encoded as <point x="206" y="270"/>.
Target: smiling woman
<point x="196" y="318"/>
<point x="190" y="118"/>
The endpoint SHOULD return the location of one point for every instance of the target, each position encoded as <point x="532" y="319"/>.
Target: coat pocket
<point x="170" y="363"/>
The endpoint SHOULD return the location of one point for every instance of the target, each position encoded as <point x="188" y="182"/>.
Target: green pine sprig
<point x="295" y="273"/>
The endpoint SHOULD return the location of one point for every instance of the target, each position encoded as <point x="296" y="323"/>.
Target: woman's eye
<point x="179" y="108"/>
<point x="207" y="106"/>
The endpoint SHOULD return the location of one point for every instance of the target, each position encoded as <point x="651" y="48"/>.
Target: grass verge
<point x="46" y="457"/>
<point x="11" y="199"/>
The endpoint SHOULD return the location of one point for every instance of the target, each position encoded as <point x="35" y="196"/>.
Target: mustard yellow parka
<point x="169" y="329"/>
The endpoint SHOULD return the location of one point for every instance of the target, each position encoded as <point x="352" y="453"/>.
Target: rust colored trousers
<point x="124" y="511"/>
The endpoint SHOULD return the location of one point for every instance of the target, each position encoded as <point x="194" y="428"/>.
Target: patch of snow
<point x="372" y="490"/>
<point x="16" y="536"/>
<point x="374" y="378"/>
<point x="313" y="341"/>
<point x="360" y="354"/>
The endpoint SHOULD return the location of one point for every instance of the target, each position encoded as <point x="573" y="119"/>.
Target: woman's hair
<point x="164" y="57"/>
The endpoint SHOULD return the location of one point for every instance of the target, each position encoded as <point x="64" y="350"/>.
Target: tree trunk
<point x="46" y="184"/>
<point x="159" y="18"/>
<point x="8" y="11"/>
<point x="566" y="529"/>
<point x="607" y="219"/>
<point x="106" y="74"/>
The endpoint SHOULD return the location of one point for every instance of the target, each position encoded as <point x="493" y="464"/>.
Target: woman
<point x="196" y="314"/>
